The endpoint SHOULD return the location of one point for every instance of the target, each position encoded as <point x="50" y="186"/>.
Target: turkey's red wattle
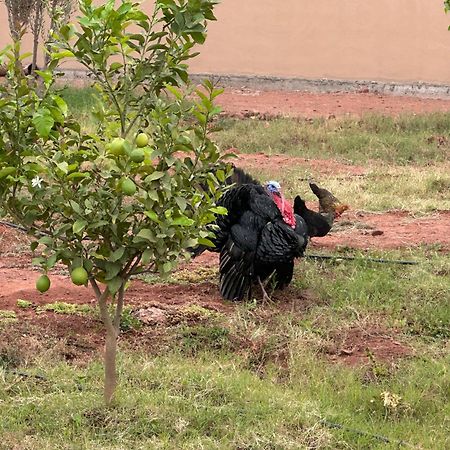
<point x="286" y="209"/>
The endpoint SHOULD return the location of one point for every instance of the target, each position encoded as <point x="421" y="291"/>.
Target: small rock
<point x="377" y="232"/>
<point x="151" y="316"/>
<point x="346" y="352"/>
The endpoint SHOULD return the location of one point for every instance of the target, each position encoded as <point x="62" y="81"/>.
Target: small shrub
<point x="128" y="321"/>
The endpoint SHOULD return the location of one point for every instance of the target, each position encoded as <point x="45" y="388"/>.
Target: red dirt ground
<point x="394" y="229"/>
<point x="275" y="162"/>
<point x="246" y="103"/>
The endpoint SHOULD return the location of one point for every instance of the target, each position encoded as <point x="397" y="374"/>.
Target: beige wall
<point x="383" y="40"/>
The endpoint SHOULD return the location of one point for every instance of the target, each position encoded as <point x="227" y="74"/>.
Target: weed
<point x="193" y="276"/>
<point x="197" y="313"/>
<point x="67" y="308"/>
<point x="24" y="303"/>
<point x="129" y="321"/>
<point x="7" y="316"/>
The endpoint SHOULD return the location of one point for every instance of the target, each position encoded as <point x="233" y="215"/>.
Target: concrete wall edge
<point x="323" y="85"/>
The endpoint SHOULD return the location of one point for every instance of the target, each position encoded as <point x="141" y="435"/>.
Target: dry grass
<point x="420" y="189"/>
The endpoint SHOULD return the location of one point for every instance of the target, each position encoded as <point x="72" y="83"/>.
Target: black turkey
<point x="261" y="235"/>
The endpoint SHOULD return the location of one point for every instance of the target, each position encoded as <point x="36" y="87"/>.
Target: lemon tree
<point x="136" y="193"/>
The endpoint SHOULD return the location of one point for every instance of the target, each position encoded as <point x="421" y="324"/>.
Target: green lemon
<point x="79" y="276"/>
<point x="127" y="186"/>
<point x="137" y="155"/>
<point x="43" y="283"/>
<point x="142" y="140"/>
<point x="117" y="147"/>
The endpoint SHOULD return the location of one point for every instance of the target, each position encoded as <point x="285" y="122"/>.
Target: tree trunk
<point x="36" y="29"/>
<point x="112" y="335"/>
<point x="112" y="326"/>
<point x="110" y="365"/>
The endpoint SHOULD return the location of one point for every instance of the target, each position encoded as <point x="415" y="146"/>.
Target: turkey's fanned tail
<point x="236" y="271"/>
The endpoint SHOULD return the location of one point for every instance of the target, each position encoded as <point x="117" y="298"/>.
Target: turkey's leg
<point x="266" y="297"/>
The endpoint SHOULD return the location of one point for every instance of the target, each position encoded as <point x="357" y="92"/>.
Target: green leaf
<point x="79" y="226"/>
<point x="181" y="202"/>
<point x="152" y="215"/>
<point x="183" y="221"/>
<point x="146" y="256"/>
<point x="176" y="92"/>
<point x="7" y="171"/>
<point x="46" y="75"/>
<point x="219" y="210"/>
<point x="51" y="261"/>
<point x="62" y="54"/>
<point x="43" y="121"/>
<point x="63" y="166"/>
<point x="112" y="269"/>
<point x="154" y="176"/>
<point x="207" y="242"/>
<point x="75" y="206"/>
<point x="199" y="38"/>
<point x="62" y="105"/>
<point x="117" y="254"/>
<point x="146" y="234"/>
<point x="78" y="175"/>
<point x="114" y="285"/>
<point x="45" y="240"/>
<point x="220" y="174"/>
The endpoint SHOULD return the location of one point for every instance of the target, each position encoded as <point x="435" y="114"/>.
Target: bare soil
<point x="247" y="103"/>
<point x="277" y="162"/>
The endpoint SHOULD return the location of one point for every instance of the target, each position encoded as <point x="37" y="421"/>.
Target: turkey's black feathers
<point x="253" y="239"/>
<point x="240" y="177"/>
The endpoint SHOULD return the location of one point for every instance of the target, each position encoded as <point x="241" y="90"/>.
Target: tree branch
<point x="119" y="308"/>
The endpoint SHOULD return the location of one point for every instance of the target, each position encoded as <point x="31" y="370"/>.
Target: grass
<point x="411" y="299"/>
<point x="7" y="316"/>
<point x="415" y="188"/>
<point x="423" y="139"/>
<point x="257" y="378"/>
<point x="67" y="308"/>
<point x="212" y="401"/>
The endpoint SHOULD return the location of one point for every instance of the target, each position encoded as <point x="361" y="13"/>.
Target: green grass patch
<point x="67" y="308"/>
<point x="407" y="139"/>
<point x="7" y="316"/>
<point x="414" y="299"/>
<point x="210" y="401"/>
<point x="24" y="304"/>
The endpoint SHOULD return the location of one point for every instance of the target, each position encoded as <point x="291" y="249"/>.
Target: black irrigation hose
<point x="378" y="437"/>
<point x="356" y="258"/>
<point x="13" y="225"/>
<point x="28" y="375"/>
